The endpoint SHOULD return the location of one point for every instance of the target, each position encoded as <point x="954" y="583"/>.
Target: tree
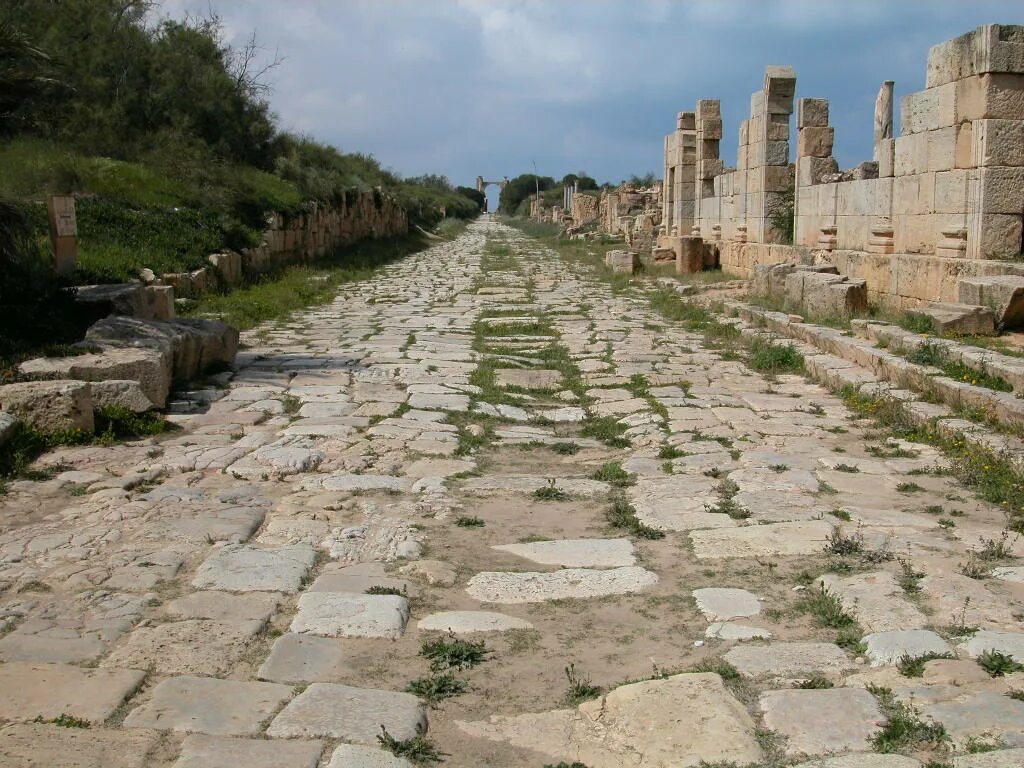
<point x="473" y="194"/>
<point x="520" y="188"/>
<point x="22" y="78"/>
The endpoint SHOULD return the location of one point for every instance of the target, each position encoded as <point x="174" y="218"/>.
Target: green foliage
<point x="903" y="729"/>
<point x="378" y="589"/>
<point x="27" y="444"/>
<point x="436" y="687"/>
<point x="913" y="666"/>
<point x="622" y="514"/>
<point x="580" y="688"/>
<point x="451" y="652"/>
<point x="417" y="749"/>
<point x="519" y="190"/>
<point x="469" y="522"/>
<point x="550" y="492"/>
<point x="775" y="358"/>
<point x="608" y="430"/>
<point x="998" y="664"/>
<point x="114" y="423"/>
<point x="613" y="473"/>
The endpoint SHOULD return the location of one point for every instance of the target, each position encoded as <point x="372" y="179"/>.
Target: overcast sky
<point x="467" y="87"/>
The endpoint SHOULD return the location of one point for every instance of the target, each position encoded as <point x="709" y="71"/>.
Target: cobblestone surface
<point x="442" y="446"/>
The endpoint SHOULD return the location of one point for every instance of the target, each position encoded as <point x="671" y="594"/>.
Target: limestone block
<point x="777" y="129"/>
<point x="711" y="129"/>
<point x="942" y="145"/>
<point x="159" y="302"/>
<point x="1001" y="190"/>
<point x="622" y="262"/>
<point x="866" y="197"/>
<point x="115" y="299"/>
<point x="950" y="191"/>
<point x="120" y="394"/>
<point x="910" y="154"/>
<point x="815" y="141"/>
<point x="887" y="157"/>
<point x="989" y="48"/>
<point x="906" y="195"/>
<point x="811" y="170"/>
<point x="998" y="142"/>
<point x="811" y="113"/>
<point x="999" y="235"/>
<point x="228" y="266"/>
<point x="151" y="368"/>
<point x="990" y="96"/>
<point x="928" y="110"/>
<point x="708" y="109"/>
<point x="773" y="153"/>
<point x="963" y="319"/>
<point x="1003" y="293"/>
<point x="50" y="406"/>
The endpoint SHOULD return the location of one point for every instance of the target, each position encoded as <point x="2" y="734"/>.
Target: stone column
<point x="883" y="117"/>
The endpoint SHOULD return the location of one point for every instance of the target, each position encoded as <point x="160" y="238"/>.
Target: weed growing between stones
<point x="771" y="358"/>
<point x="613" y="473"/>
<point x="903" y="728"/>
<point x="417" y="749"/>
<point x="437" y="687"/>
<point x="65" y="721"/>
<point x="550" y="492"/>
<point x="998" y="664"/>
<point x="622" y="514"/>
<point x="727" y="504"/>
<point x="564" y="764"/>
<point x="451" y="652"/>
<point x="565" y="449"/>
<point x="113" y="423"/>
<point x="908" y="578"/>
<point x="469" y="522"/>
<point x="842" y="514"/>
<point x="608" y="430"/>
<point x="670" y="452"/>
<point x="913" y="666"/>
<point x="580" y="688"/>
<point x="851" y="468"/>
<point x="909" y="488"/>
<point x="377" y="589"/>
<point x="838" y="543"/>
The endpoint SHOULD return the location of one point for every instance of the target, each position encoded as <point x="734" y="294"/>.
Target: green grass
<point x="565" y="449"/>
<point x="772" y="358"/>
<point x="621" y="514"/>
<point x="580" y="688"/>
<point x="277" y="294"/>
<point x="469" y="522"/>
<point x="903" y="729"/>
<point x="607" y="430"/>
<point x="931" y="354"/>
<point x="417" y="749"/>
<point x="913" y="666"/>
<point x="613" y="474"/>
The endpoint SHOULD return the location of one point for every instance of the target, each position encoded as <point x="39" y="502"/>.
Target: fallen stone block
<point x="114" y="299"/>
<point x="228" y="267"/>
<point x="966" y="319"/>
<point x="120" y="394"/>
<point x="50" y="406"/>
<point x="150" y="367"/>
<point x="1004" y="294"/>
<point x="195" y="346"/>
<point x="622" y="262"/>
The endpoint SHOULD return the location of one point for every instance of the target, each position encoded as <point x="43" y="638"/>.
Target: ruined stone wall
<point x="298" y="238"/>
<point x="584" y="209"/>
<point x="944" y="199"/>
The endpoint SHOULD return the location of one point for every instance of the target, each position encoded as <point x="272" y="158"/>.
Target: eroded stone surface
<point x="722" y="604"/>
<point x="240" y="568"/>
<point x="817" y="722"/>
<point x="351" y="714"/>
<point x="509" y="588"/>
<point x="28" y="691"/>
<point x="789" y="659"/>
<point x="212" y="752"/>
<point x="461" y="622"/>
<point x="345" y="614"/>
<point x="575" y="553"/>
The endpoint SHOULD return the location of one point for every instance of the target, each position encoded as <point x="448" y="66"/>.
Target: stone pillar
<point x="707" y="163"/>
<point x="883" y="118"/>
<point x="813" y="160"/>
<point x="677" y="208"/>
<point x="63" y="232"/>
<point x="770" y="179"/>
<point x="690" y="255"/>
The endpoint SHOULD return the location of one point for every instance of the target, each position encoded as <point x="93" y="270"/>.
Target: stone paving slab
<point x="980" y="715"/>
<point x="1001" y="758"/>
<point x="888" y="647"/>
<point x="1010" y="643"/>
<point x="241" y="568"/>
<point x="817" y="722"/>
<point x="862" y="761"/>
<point x="298" y="659"/>
<point x="466" y="622"/>
<point x="359" y="756"/>
<point x="28" y="691"/>
<point x="677" y="721"/>
<point x="512" y="588"/>
<point x="209" y="705"/>
<point x="199" y="751"/>
<point x="876" y="600"/>
<point x="35" y="745"/>
<point x="798" y="538"/>
<point x="351" y="714"/>
<point x="191" y="647"/>
<point x="346" y="614"/>
<point x="789" y="659"/>
<point x="722" y="604"/>
<point x="575" y="553"/>
<point x="224" y="606"/>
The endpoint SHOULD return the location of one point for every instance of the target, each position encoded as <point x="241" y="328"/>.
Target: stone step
<point x="966" y="319"/>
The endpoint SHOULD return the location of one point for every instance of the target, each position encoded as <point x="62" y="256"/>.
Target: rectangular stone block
<point x="811" y="169"/>
<point x="951" y="192"/>
<point x="942" y="145"/>
<point x="709" y="168"/>
<point x="776" y="178"/>
<point x="770" y="153"/>
<point x="711" y="128"/>
<point x="886" y="151"/>
<point x="1000" y="190"/>
<point x="708" y="109"/>
<point x="928" y="110"/>
<point x="708" y="148"/>
<point x="815" y="142"/>
<point x="990" y="96"/>
<point x="757" y="102"/>
<point x="744" y="132"/>
<point x="989" y="48"/>
<point x="910" y="154"/>
<point x="812" y="113"/>
<point x="998" y="142"/>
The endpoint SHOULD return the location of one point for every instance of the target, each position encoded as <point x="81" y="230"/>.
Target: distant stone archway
<point x="482" y="184"/>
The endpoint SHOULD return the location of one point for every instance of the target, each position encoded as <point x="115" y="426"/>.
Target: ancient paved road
<point x="429" y="453"/>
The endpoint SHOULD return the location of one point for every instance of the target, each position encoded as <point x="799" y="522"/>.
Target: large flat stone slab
<point x="818" y="722"/>
<point x="305" y="659"/>
<point x="346" y="614"/>
<point x="191" y="647"/>
<point x="512" y="588"/>
<point x="214" y="752"/>
<point x="360" y="756"/>
<point x="224" y="606"/>
<point x="862" y="761"/>
<point x="876" y="600"/>
<point x="466" y="622"/>
<point x="208" y="705"/>
<point x="351" y="714"/>
<point x="35" y="745"/>
<point x="1010" y="643"/>
<point x="575" y="553"/>
<point x="788" y="659"/>
<point x="723" y="603"/>
<point x="241" y="568"/>
<point x="774" y="539"/>
<point x="528" y="378"/>
<point x="984" y="714"/>
<point x="28" y="691"/>
<point x="888" y="647"/>
<point x="679" y="721"/>
<point x="1001" y="758"/>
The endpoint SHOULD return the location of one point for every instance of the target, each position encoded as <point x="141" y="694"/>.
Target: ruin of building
<point x="938" y="208"/>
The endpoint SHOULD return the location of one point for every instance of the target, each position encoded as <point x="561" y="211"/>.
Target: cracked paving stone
<point x="241" y="568"/>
